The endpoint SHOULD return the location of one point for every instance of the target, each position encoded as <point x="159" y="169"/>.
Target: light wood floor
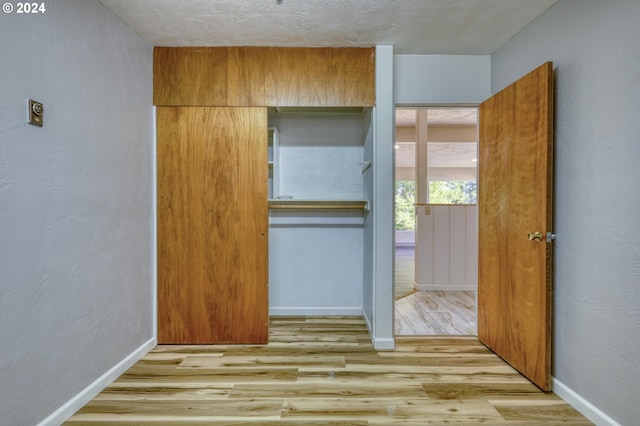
<point x="323" y="371"/>
<point x="429" y="313"/>
<point x="436" y="313"/>
<point x="404" y="278"/>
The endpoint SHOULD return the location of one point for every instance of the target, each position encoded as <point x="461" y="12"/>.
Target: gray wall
<point x="441" y="79"/>
<point x="75" y="204"/>
<point x="378" y="310"/>
<point x="368" y="230"/>
<point x="595" y="49"/>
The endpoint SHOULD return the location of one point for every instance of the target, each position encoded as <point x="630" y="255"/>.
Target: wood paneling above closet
<point x="263" y="76"/>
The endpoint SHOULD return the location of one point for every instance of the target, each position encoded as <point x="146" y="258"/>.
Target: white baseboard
<point x="367" y="320"/>
<point x="383" y="344"/>
<point x="585" y="408"/>
<point x="445" y="287"/>
<point x="86" y="395"/>
<point x="323" y="311"/>
<point x="377" y="343"/>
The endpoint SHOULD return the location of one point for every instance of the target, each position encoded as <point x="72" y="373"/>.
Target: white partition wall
<point x="368" y="260"/>
<point x="441" y="79"/>
<point x="380" y="318"/>
<point x="449" y="237"/>
<point x="423" y="80"/>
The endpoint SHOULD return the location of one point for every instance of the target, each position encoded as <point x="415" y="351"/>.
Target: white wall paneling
<point x="440" y="236"/>
<point x="458" y="244"/>
<point x="448" y="259"/>
<point x="471" y="254"/>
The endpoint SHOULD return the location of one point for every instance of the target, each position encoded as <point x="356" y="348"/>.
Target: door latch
<point x="535" y="236"/>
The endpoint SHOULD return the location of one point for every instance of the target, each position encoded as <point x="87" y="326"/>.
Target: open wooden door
<point x="212" y="225"/>
<point x="515" y="215"/>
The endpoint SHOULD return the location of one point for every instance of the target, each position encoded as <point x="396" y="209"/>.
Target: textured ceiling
<point x="440" y="116"/>
<point x="412" y="26"/>
<point x="439" y="154"/>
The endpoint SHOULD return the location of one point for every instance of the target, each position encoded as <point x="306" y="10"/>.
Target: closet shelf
<point x="289" y="204"/>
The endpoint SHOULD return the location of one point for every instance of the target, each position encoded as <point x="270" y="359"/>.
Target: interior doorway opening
<point x="436" y="188"/>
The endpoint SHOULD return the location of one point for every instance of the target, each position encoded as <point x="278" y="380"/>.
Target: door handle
<point x="536" y="236"/>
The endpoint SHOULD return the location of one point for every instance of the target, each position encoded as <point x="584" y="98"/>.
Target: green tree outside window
<point x="405" y="200"/>
<point x="453" y="192"/>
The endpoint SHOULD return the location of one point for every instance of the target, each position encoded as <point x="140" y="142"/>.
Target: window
<point x="405" y="199"/>
<point x="453" y="192"/>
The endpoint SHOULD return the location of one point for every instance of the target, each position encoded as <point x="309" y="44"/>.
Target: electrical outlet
<point x="36" y="113"/>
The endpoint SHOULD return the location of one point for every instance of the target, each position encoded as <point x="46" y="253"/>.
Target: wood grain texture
<point x="404" y="271"/>
<point x="264" y="76"/>
<point x="314" y="76"/>
<point x="436" y="313"/>
<point x="516" y="182"/>
<point x="271" y="76"/>
<point x="286" y="62"/>
<point x="353" y="77"/>
<point x="212" y="225"/>
<point x="323" y="371"/>
<point x="246" y="76"/>
<point x="190" y="76"/>
<point x="360" y="77"/>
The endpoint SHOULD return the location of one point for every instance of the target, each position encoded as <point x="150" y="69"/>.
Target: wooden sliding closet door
<point x="212" y="225"/>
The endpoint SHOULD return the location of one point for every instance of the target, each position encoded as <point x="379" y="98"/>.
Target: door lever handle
<point x="536" y="236"/>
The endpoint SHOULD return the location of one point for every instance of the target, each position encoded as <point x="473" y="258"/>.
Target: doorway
<point x="436" y="257"/>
